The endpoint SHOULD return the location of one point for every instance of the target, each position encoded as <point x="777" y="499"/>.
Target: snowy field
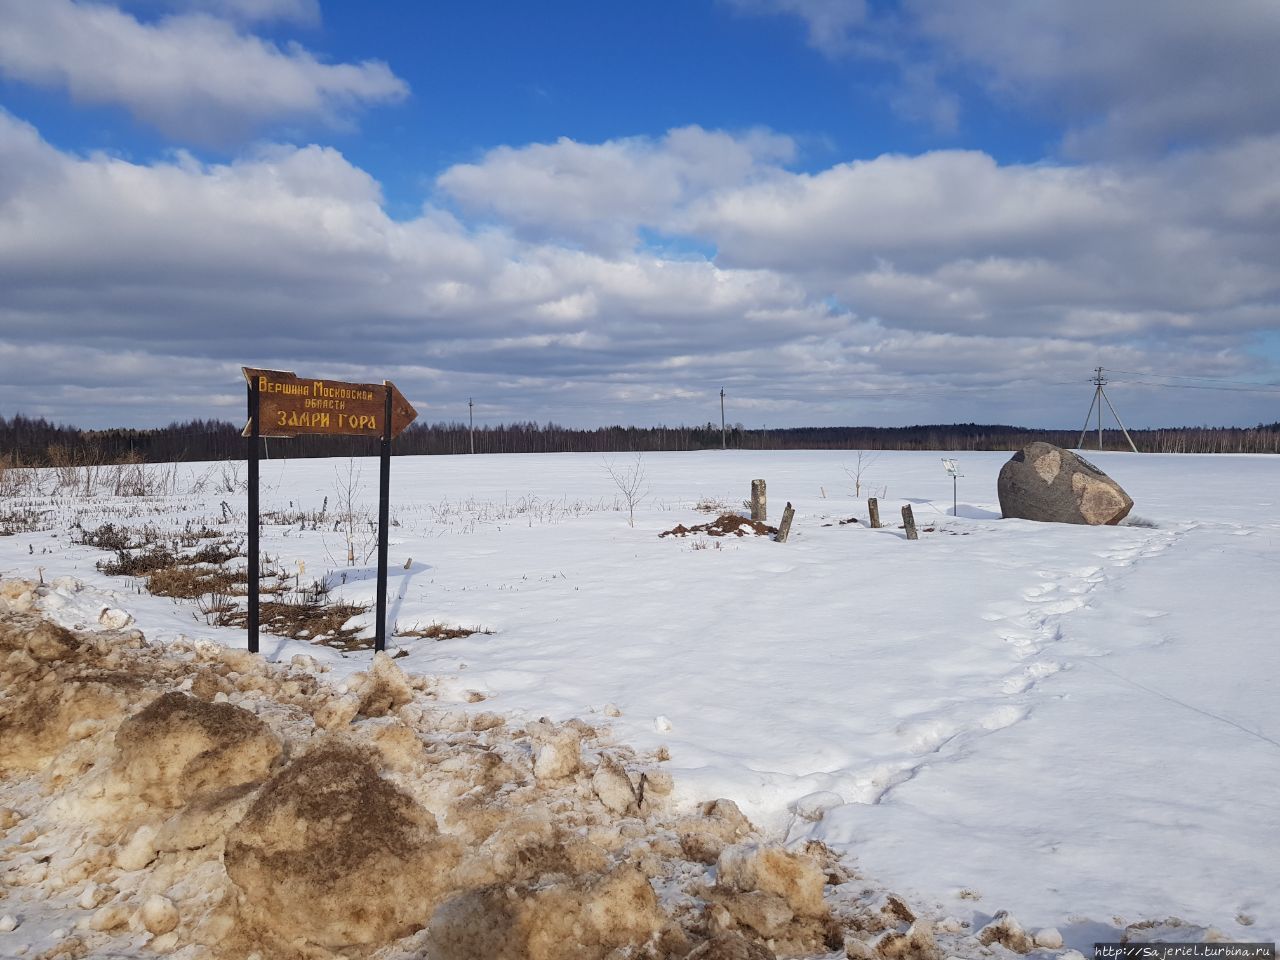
<point x="1073" y="724"/>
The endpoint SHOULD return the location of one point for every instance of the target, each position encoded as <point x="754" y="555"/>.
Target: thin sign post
<point x="953" y="471"/>
<point x="251" y="621"/>
<point x="384" y="498"/>
<point x="281" y="404"/>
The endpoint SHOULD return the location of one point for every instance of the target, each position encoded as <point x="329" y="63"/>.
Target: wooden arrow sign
<point x="289" y="406"/>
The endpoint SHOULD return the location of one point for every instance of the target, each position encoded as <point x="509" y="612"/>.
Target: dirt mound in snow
<point x="179" y="748"/>
<point x="725" y="525"/>
<point x="201" y="803"/>
<point x="582" y="919"/>
<point x="334" y="855"/>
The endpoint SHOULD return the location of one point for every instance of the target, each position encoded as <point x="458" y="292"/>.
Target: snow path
<point x="1064" y="721"/>
<point x="1146" y="782"/>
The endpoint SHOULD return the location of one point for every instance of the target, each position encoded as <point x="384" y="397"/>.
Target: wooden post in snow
<point x="759" y="507"/>
<point x="873" y="509"/>
<point x="784" y="528"/>
<point x="909" y="521"/>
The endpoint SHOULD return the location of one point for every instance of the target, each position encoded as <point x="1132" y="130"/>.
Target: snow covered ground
<point x="1074" y="724"/>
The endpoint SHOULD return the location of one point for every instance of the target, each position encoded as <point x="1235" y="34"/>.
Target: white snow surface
<point x="1074" y="724"/>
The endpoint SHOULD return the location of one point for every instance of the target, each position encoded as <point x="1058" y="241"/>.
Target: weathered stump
<point x="784" y="528"/>
<point x="909" y="521"/>
<point x="873" y="509"/>
<point x="759" y="506"/>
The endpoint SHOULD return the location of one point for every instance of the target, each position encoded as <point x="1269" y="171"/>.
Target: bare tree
<point x="354" y="522"/>
<point x="860" y="466"/>
<point x="630" y="481"/>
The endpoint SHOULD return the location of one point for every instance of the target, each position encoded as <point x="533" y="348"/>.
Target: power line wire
<point x="1180" y="376"/>
<point x="1268" y="389"/>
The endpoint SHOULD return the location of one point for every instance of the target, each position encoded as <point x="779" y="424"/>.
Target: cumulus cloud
<point x="1127" y="76"/>
<point x="952" y="240"/>
<point x="601" y="194"/>
<point x="923" y="288"/>
<point x="1135" y="78"/>
<point x="194" y="76"/>
<point x="284" y="255"/>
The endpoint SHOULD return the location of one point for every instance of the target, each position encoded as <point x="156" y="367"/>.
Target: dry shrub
<point x="305" y="619"/>
<point x="139" y="563"/>
<point x="107" y="537"/>
<point x="440" y="631"/>
<point x="191" y="582"/>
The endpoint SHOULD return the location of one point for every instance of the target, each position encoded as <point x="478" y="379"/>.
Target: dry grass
<point x="194" y="564"/>
<point x="22" y="520"/>
<point x="188" y="583"/>
<point x="309" y="620"/>
<point x="711" y="505"/>
<point x="440" y="631"/>
<point x="141" y="563"/>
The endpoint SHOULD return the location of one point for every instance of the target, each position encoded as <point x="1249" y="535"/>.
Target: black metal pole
<point x="255" y="432"/>
<point x="384" y="500"/>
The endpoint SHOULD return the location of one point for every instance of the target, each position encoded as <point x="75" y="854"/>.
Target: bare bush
<point x="356" y="524"/>
<point x="137" y="479"/>
<point x="16" y="481"/>
<point x="631" y="483"/>
<point x="860" y="467"/>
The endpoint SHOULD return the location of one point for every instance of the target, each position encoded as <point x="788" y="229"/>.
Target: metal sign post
<point x="254" y="574"/>
<point x="283" y="405"/>
<point x="384" y="499"/>
<point x="952" y="471"/>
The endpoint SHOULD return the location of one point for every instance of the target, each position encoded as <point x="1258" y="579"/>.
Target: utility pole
<point x="471" y="417"/>
<point x="1100" y="397"/>
<point x="723" y="445"/>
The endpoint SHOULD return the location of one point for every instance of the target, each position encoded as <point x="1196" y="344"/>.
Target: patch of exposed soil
<point x="725" y="525"/>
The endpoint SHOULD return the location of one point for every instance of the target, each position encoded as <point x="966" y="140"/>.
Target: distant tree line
<point x="25" y="441"/>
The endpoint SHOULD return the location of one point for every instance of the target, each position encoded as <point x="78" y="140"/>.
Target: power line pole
<point x="471" y="417"/>
<point x="1100" y="397"/>
<point x="723" y="445"/>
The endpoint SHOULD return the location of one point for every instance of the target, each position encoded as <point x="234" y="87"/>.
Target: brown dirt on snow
<point x="725" y="525"/>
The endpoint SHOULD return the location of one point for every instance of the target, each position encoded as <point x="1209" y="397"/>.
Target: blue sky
<point x="841" y="212"/>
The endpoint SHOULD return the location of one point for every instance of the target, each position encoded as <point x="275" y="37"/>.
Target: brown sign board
<point x="289" y="406"/>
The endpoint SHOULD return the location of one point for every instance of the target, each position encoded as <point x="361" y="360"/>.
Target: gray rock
<point x="1046" y="483"/>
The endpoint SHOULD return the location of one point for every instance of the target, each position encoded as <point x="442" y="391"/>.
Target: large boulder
<point x="1047" y="483"/>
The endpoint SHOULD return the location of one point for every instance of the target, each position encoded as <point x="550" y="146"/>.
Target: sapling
<point x="630" y="481"/>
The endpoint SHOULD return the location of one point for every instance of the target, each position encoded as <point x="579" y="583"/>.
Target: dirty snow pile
<point x="198" y="802"/>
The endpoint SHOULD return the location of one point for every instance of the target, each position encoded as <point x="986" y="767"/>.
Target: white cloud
<point x="952" y="240"/>
<point x="600" y="194"/>
<point x="1129" y="78"/>
<point x="939" y="287"/>
<point x="1125" y="76"/>
<point x="193" y="76"/>
<point x="245" y="11"/>
<point x="831" y="23"/>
